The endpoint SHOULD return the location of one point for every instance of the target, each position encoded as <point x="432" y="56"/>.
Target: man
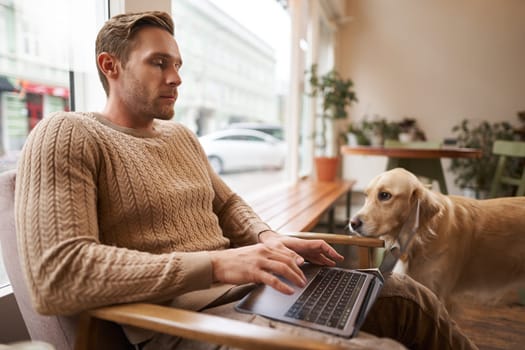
<point x="122" y="206"/>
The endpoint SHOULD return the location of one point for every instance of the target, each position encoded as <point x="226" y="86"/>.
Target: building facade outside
<point x="33" y="70"/>
<point x="228" y="75"/>
<point x="228" y="72"/>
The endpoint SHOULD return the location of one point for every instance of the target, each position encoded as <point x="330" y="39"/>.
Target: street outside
<point x="250" y="182"/>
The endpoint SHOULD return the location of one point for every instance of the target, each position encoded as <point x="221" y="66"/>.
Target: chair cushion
<point x="56" y="330"/>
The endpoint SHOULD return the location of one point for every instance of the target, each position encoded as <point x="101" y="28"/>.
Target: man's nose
<point x="173" y="76"/>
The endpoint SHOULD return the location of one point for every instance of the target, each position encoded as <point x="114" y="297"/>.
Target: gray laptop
<point x="335" y="300"/>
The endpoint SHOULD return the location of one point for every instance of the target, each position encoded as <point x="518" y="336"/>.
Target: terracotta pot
<point x="326" y="168"/>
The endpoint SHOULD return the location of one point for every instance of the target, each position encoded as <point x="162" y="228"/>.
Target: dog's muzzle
<point x="355" y="223"/>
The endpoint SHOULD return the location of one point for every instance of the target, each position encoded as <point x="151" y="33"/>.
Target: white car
<point x="274" y="130"/>
<point x="243" y="149"/>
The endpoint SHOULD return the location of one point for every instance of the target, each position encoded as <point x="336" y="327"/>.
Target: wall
<point x="439" y="60"/>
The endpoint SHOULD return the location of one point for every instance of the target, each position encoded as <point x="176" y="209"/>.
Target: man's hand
<point x="315" y="251"/>
<point x="260" y="264"/>
<point x="277" y="255"/>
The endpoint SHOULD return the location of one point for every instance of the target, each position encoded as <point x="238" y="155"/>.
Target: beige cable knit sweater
<point x="110" y="215"/>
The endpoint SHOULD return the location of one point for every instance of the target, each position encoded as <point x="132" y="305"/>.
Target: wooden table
<point x="422" y="162"/>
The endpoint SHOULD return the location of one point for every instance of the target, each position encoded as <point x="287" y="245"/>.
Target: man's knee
<point x="405" y="288"/>
<point x="401" y="304"/>
<point x="412" y="314"/>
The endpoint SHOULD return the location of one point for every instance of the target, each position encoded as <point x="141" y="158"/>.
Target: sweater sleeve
<point x="238" y="221"/>
<point x="66" y="266"/>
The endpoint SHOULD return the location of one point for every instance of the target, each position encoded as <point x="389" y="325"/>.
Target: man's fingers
<point x="261" y="264"/>
<point x="332" y="253"/>
<point x="289" y="259"/>
<point x="328" y="250"/>
<point x="321" y="259"/>
<point x="274" y="282"/>
<point x="326" y="255"/>
<point x="291" y="272"/>
<point x="315" y="250"/>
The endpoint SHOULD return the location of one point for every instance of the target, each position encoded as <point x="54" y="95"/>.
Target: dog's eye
<point x="384" y="196"/>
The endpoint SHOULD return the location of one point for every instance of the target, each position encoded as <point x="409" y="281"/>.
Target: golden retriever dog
<point x="461" y="245"/>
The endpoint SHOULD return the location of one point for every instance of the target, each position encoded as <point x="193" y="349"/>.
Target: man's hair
<point x="117" y="35"/>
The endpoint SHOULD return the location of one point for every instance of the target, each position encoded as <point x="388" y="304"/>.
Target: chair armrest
<point x="333" y="238"/>
<point x="220" y="330"/>
<point x="205" y="327"/>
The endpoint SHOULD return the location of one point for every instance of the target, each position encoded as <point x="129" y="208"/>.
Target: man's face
<point x="149" y="81"/>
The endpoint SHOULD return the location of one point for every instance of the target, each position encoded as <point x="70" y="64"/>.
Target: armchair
<point x="97" y="328"/>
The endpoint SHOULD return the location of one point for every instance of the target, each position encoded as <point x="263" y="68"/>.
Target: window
<point x="235" y="71"/>
<point x="38" y="57"/>
<point x="235" y="68"/>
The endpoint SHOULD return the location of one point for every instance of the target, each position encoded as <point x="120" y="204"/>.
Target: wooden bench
<point x="299" y="207"/>
<point x="296" y="208"/>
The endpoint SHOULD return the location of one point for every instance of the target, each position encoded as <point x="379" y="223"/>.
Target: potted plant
<point x="357" y="136"/>
<point x="379" y="129"/>
<point x="409" y="131"/>
<point x="476" y="174"/>
<point x="374" y="131"/>
<point x="520" y="131"/>
<point x="336" y="95"/>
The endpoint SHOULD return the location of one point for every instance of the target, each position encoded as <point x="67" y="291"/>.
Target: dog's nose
<point x="355" y="223"/>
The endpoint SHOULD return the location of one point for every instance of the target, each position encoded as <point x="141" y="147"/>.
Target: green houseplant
<point x="477" y="174"/>
<point x="360" y="137"/>
<point x="374" y="131"/>
<point x="336" y="95"/>
<point x="410" y="131"/>
<point x="379" y="130"/>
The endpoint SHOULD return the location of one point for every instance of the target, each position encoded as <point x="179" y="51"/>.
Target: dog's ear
<point x="429" y="203"/>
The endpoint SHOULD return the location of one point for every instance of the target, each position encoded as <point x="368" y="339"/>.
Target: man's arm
<point x="67" y="268"/>
<point x="239" y="223"/>
<point x="259" y="263"/>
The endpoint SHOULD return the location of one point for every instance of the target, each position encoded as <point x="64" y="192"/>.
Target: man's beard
<point x="150" y="107"/>
<point x="166" y="112"/>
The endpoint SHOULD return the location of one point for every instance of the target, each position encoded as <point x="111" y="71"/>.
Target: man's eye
<point x="384" y="196"/>
<point x="159" y="62"/>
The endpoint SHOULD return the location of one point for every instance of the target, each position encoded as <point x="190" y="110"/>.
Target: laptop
<point x="335" y="300"/>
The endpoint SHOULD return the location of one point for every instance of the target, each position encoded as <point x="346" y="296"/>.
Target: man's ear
<point x="108" y="64"/>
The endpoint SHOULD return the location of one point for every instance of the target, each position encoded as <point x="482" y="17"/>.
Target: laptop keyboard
<point x="329" y="298"/>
